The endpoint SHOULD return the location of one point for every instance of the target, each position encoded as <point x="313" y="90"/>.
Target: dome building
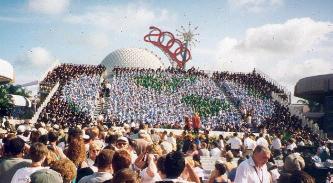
<point x="131" y="57"/>
<point x="6" y="72"/>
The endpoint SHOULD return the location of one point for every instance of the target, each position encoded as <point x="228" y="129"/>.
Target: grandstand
<point x="162" y="97"/>
<point x="124" y="99"/>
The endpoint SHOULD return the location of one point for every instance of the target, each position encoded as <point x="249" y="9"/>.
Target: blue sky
<point x="286" y="39"/>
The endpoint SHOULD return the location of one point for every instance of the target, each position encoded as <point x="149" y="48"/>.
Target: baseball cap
<point x="122" y="139"/>
<point x="46" y="176"/>
<point x="21" y="128"/>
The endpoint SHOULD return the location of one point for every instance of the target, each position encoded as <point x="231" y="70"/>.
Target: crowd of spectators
<point x="84" y="153"/>
<point x="68" y="145"/>
<point x="75" y="100"/>
<point x="159" y="97"/>
<point x="83" y="91"/>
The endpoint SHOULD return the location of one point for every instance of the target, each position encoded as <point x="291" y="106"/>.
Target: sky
<point x="287" y="40"/>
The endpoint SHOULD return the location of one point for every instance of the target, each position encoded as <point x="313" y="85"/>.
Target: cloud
<point x="123" y="18"/>
<point x="286" y="52"/>
<point x="48" y="6"/>
<point x="97" y="40"/>
<point x="255" y="5"/>
<point x="38" y="56"/>
<point x="13" y="19"/>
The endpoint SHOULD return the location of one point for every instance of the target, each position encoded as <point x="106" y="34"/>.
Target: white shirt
<point x="235" y="143"/>
<point x="262" y="141"/>
<point x="276" y="143"/>
<point x="145" y="178"/>
<point x="291" y="146"/>
<point x="22" y="175"/>
<point x="215" y="152"/>
<point x="249" y="143"/>
<point x="96" y="177"/>
<point x="247" y="173"/>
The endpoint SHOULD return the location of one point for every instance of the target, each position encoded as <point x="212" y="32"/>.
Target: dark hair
<point x="174" y="164"/>
<point x="126" y="175"/>
<point x="15" y="146"/>
<point x="221" y="169"/>
<point x="104" y="158"/>
<point x="160" y="164"/>
<point x="43" y="139"/>
<point x="111" y="139"/>
<point x="301" y="177"/>
<point x="82" y="172"/>
<point x="38" y="151"/>
<point x="53" y="136"/>
<point x="121" y="159"/>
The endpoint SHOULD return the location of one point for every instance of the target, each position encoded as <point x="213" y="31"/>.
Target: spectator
<point x="14" y="159"/>
<point x="235" y="144"/>
<point x="104" y="164"/>
<point x="94" y="150"/>
<point x="126" y="175"/>
<point x="174" y="165"/>
<point x="66" y="168"/>
<point x="121" y="159"/>
<point x="219" y="174"/>
<point x="76" y="152"/>
<point x="46" y="176"/>
<point x="38" y="153"/>
<point x="254" y="169"/>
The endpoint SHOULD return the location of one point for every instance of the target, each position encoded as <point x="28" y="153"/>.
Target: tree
<point x="5" y="101"/>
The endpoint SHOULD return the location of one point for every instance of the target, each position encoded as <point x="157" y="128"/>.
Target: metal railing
<point x="46" y="101"/>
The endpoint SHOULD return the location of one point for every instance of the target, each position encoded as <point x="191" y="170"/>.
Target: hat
<point x="21" y="129"/>
<point x="122" y="139"/>
<point x="294" y="162"/>
<point x="46" y="176"/>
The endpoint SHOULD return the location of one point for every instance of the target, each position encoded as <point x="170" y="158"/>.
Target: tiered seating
<point x="74" y="101"/>
<point x="166" y="96"/>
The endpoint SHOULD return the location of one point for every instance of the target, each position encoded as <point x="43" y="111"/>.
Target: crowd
<point x="250" y="80"/>
<point x="161" y="97"/>
<point x="253" y="108"/>
<point x="85" y="154"/>
<point x="68" y="145"/>
<point x="75" y="100"/>
<point x="82" y="92"/>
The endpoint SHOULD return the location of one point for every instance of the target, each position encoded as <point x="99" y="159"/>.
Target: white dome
<point x="132" y="57"/>
<point x="6" y="72"/>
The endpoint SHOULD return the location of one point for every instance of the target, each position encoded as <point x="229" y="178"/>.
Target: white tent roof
<point x="19" y="100"/>
<point x="6" y="72"/>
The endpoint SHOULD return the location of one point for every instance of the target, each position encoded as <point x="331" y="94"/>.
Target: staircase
<point x="229" y="99"/>
<point x="98" y="110"/>
<point x="45" y="102"/>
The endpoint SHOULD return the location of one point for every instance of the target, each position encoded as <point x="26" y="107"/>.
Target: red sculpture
<point x="172" y="47"/>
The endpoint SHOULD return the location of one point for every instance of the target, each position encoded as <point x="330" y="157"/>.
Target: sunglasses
<point x="121" y="143"/>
